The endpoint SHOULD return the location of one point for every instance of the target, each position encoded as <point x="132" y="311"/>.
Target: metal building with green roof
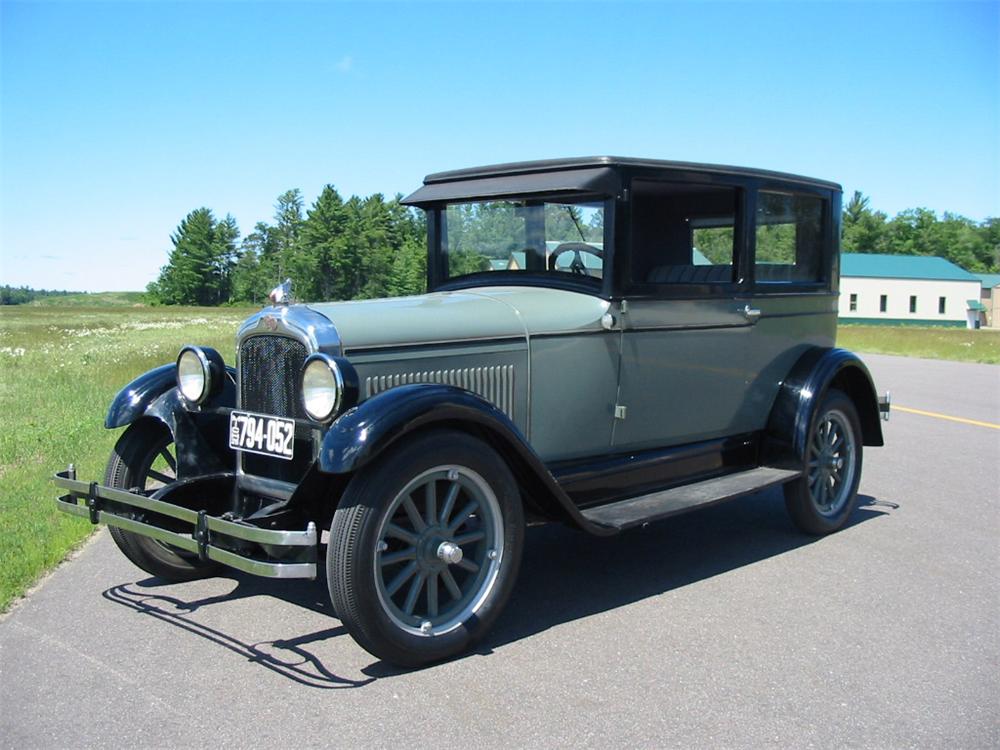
<point x="907" y="289"/>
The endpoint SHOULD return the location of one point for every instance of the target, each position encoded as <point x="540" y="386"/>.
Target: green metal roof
<point x="976" y="305"/>
<point x="989" y="280"/>
<point x="872" y="265"/>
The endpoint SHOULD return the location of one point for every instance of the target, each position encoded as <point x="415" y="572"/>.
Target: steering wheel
<point x="576" y="265"/>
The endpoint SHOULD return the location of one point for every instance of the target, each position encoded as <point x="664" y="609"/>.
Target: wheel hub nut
<point x="450" y="553"/>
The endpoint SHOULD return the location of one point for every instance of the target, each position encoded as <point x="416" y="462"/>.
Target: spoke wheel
<point x="439" y="550"/>
<point x="822" y="499"/>
<point x="831" y="463"/>
<point x="144" y="459"/>
<point x="424" y="548"/>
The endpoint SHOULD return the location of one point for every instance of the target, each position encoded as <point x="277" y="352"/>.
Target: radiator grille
<point x="269" y="375"/>
<point x="495" y="384"/>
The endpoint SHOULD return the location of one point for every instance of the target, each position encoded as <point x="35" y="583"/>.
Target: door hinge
<point x="620" y="411"/>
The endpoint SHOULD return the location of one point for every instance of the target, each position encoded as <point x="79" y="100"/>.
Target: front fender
<point x="803" y="389"/>
<point x="199" y="433"/>
<point x="135" y="399"/>
<point x="366" y="431"/>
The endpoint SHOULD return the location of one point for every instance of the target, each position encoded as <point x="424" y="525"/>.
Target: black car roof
<point x="580" y="173"/>
<point x="583" y="162"/>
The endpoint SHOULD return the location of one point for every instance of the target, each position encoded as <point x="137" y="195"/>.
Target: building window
<point x="913" y="303"/>
<point x="854" y="303"/>
<point x="940" y="305"/>
<point x="883" y="303"/>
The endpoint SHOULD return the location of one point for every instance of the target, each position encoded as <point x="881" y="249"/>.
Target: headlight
<point x="199" y="373"/>
<point x="322" y="387"/>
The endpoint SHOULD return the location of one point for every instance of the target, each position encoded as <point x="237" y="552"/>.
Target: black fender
<point x="199" y="433"/>
<point x="135" y="398"/>
<point x="801" y="392"/>
<point x="361" y="434"/>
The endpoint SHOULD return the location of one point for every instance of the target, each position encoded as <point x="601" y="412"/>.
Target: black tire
<point x="142" y="458"/>
<point x="823" y="498"/>
<point x="375" y="540"/>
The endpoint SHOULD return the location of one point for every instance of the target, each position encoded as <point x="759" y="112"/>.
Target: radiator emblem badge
<point x="270" y="322"/>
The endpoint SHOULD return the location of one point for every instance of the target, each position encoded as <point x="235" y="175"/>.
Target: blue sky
<point x="118" y="119"/>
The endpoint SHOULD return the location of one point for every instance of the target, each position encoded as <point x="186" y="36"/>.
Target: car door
<point x="685" y="368"/>
<point x="794" y="249"/>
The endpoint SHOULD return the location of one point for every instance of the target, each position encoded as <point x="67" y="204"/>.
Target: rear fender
<point x="365" y="432"/>
<point x="803" y="390"/>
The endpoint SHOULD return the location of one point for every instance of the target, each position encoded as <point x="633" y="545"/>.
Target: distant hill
<point x="94" y="299"/>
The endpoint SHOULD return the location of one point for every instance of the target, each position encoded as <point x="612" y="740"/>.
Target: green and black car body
<point x="615" y="340"/>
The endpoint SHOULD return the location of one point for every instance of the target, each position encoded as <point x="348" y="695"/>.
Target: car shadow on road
<point x="565" y="575"/>
<point x="289" y="657"/>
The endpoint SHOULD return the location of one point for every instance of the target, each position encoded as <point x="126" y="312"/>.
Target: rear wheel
<point x="822" y="499"/>
<point x="144" y="459"/>
<point x="425" y="547"/>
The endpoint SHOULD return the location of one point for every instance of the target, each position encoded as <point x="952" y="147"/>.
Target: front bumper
<point x="264" y="552"/>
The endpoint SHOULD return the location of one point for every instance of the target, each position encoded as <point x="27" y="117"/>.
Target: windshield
<point x="524" y="237"/>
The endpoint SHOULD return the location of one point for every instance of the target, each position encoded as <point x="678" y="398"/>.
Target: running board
<point x="639" y="510"/>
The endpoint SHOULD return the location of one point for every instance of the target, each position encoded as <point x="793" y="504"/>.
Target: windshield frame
<point x="438" y="281"/>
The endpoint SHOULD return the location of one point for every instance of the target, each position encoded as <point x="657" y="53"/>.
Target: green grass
<point x="94" y="299"/>
<point x="59" y="369"/>
<point x="958" y="344"/>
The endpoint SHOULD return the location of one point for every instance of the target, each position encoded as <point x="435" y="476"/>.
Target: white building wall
<point x="898" y="292"/>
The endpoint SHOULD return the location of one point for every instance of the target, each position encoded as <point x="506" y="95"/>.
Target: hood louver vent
<point x="495" y="384"/>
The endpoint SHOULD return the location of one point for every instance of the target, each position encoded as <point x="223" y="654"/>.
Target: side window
<point x="790" y="238"/>
<point x="682" y="234"/>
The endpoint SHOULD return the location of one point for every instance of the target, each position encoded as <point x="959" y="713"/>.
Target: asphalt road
<point x="723" y="628"/>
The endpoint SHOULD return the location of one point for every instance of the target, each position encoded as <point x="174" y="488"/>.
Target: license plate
<point x="263" y="434"/>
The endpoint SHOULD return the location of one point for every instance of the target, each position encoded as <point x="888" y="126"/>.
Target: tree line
<point x="335" y="250"/>
<point x="975" y="246"/>
<point x="21" y="295"/>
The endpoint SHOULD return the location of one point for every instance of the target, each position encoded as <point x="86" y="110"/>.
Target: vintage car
<point x="605" y="342"/>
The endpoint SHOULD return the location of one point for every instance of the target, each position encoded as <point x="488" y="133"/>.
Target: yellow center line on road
<point x="950" y="418"/>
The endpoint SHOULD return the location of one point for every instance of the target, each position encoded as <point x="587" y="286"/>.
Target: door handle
<point x="751" y="313"/>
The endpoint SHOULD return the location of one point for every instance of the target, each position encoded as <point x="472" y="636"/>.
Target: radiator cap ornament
<point x="281" y="294"/>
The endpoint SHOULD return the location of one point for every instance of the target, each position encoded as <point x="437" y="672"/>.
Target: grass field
<point x="94" y="299"/>
<point x="60" y="366"/>
<point x="957" y="344"/>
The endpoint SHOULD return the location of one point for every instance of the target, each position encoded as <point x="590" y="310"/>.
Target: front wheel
<point x="822" y="499"/>
<point x="144" y="459"/>
<point x="425" y="548"/>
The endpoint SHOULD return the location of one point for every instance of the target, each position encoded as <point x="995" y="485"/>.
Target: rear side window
<point x="682" y="234"/>
<point x="790" y="237"/>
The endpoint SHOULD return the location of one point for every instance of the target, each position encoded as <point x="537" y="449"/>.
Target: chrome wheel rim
<point x="438" y="550"/>
<point x="832" y="463"/>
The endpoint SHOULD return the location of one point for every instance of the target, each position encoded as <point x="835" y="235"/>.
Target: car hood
<point x="467" y="315"/>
